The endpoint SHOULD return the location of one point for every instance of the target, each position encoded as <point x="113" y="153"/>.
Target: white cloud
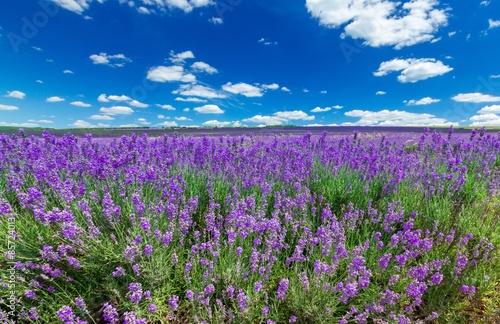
<point x="209" y="109"/>
<point x="117" y="110"/>
<point x="216" y="123"/>
<point x="381" y="22"/>
<point x="101" y="117"/>
<point x="39" y="81"/>
<point x="285" y="89"/>
<point x="497" y="76"/>
<point x="180" y="58"/>
<point x="319" y="109"/>
<point x="19" y="124"/>
<point x="77" y="6"/>
<point x="167" y="107"/>
<point x="119" y="98"/>
<point x="198" y="91"/>
<point x="305" y="90"/>
<point x="129" y="126"/>
<point x="216" y="21"/>
<point x="190" y="99"/>
<point x="15" y="94"/>
<point x="279" y="117"/>
<point x="323" y="92"/>
<point x="144" y="10"/>
<point x="41" y="121"/>
<point x="394" y="118"/>
<point x="160" y="116"/>
<point x="476" y="97"/>
<point x="421" y="102"/>
<point x="267" y="120"/>
<point x="138" y="104"/>
<point x="103" y="98"/>
<point x="493" y="23"/>
<point x="451" y="34"/>
<point x="413" y="70"/>
<point x="243" y="89"/>
<point x="80" y="104"/>
<point x="117" y="60"/>
<point x="485" y="120"/>
<point x="38" y="49"/>
<point x="485" y="2"/>
<point x="380" y="93"/>
<point x="494" y="109"/>
<point x="68" y="72"/>
<point x="55" y="99"/>
<point x="167" y="124"/>
<point x="272" y="86"/>
<point x="83" y="124"/>
<point x="182" y="118"/>
<point x="185" y="110"/>
<point x="337" y="107"/>
<point x="266" y="42"/>
<point x="203" y="67"/>
<point x="143" y="121"/>
<point x="173" y="73"/>
<point x="7" y="107"/>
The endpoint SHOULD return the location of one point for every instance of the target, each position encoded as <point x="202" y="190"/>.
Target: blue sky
<point x="112" y="63"/>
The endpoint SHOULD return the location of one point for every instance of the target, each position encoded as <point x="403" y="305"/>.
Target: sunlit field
<point x="311" y="228"/>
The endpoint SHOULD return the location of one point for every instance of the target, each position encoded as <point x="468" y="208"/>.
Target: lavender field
<point x="257" y="228"/>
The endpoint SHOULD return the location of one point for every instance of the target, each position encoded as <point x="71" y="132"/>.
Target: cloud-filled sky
<point x="164" y="63"/>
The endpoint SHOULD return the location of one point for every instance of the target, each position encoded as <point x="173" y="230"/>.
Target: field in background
<point x="250" y="226"/>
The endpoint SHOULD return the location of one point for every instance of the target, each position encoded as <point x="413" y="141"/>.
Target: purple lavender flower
<point x="152" y="308"/>
<point x="292" y="319"/>
<point x="189" y="295"/>
<point x="173" y="302"/>
<point x="282" y="288"/>
<point x="33" y="314"/>
<point x="148" y="250"/>
<point x="110" y="314"/>
<point x="135" y="292"/>
<point x="242" y="301"/>
<point x="119" y="271"/>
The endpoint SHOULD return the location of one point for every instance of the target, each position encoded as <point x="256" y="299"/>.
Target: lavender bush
<point x="249" y="229"/>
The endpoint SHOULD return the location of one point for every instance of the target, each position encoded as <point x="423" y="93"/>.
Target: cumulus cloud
<point x="413" y="70"/>
<point x="279" y="117"/>
<point x="68" y="72"/>
<point x="197" y="90"/>
<point x="182" y="118"/>
<point x="147" y="6"/>
<point x="209" y="109"/>
<point x="216" y="21"/>
<point x="7" y="107"/>
<point x="137" y="104"/>
<point x="190" y="99"/>
<point x="180" y="58"/>
<point x="285" y="89"/>
<point x="485" y="120"/>
<point x="41" y="121"/>
<point x="216" y="123"/>
<point x="493" y="23"/>
<point x="80" y="104"/>
<point x="421" y="102"/>
<point x="174" y="73"/>
<point x="319" y="109"/>
<point x="494" y="109"/>
<point x="15" y="94"/>
<point x="143" y="121"/>
<point x="167" y="107"/>
<point x="243" y="89"/>
<point x="167" y="124"/>
<point x="394" y="118"/>
<point x="381" y="22"/>
<point x="55" y="99"/>
<point x="380" y="93"/>
<point x="117" y="60"/>
<point x="101" y="117"/>
<point x="203" y="67"/>
<point x="117" y="110"/>
<point x="83" y="124"/>
<point x="475" y="97"/>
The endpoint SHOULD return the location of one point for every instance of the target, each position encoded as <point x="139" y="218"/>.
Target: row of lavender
<point x="313" y="228"/>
